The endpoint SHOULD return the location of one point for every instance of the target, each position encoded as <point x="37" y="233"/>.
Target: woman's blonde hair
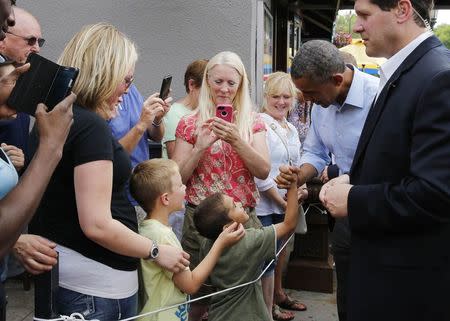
<point x="277" y="83"/>
<point x="242" y="103"/>
<point x="104" y="56"/>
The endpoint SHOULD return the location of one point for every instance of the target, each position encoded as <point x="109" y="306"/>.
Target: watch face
<point x="155" y="252"/>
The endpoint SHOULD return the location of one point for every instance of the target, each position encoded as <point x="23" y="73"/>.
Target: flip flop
<point x="291" y="304"/>
<point x="279" y="315"/>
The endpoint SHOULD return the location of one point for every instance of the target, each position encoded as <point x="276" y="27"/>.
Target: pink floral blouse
<point x="220" y="169"/>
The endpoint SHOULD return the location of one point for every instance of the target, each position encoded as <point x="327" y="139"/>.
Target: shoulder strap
<point x="274" y="128"/>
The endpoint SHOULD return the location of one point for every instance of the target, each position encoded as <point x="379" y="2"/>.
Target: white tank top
<point x="81" y="274"/>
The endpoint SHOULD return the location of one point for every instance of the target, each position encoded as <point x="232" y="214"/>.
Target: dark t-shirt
<point x="89" y="140"/>
<point x="15" y="132"/>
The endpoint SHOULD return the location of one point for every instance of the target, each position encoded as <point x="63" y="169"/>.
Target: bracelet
<point x="157" y="124"/>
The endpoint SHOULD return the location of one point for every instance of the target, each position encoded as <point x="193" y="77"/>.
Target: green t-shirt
<point x="241" y="263"/>
<point x="159" y="288"/>
<point x="171" y="120"/>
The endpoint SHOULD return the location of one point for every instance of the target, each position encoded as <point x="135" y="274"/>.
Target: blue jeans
<point x="268" y="220"/>
<point x="92" y="307"/>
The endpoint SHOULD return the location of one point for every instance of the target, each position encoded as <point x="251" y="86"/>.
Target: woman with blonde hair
<point x="85" y="210"/>
<point x="215" y="155"/>
<point x="284" y="146"/>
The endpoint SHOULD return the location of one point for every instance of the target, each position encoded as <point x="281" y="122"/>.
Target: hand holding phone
<point x="45" y="82"/>
<point x="225" y="112"/>
<point x="165" y="87"/>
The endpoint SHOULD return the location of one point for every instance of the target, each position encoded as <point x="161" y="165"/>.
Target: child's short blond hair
<point x="151" y="179"/>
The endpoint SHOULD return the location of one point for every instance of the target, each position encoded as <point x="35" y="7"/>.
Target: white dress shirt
<point x="392" y="64"/>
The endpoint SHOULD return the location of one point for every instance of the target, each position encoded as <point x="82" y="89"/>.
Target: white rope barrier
<point x="73" y="317"/>
<point x="78" y="316"/>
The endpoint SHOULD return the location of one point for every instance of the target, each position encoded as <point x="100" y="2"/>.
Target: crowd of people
<point x="132" y="234"/>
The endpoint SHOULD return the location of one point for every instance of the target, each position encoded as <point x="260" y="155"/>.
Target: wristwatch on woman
<point x="154" y="251"/>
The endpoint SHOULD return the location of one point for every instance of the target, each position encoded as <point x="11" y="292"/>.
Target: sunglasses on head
<point x="31" y="41"/>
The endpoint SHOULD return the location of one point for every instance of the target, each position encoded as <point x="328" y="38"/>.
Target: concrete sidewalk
<point x="321" y="306"/>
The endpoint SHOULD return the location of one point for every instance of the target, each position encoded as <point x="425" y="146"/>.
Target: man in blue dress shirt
<point x="136" y="122"/>
<point x="342" y="97"/>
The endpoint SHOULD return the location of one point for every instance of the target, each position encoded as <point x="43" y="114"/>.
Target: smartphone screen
<point x="165" y="87"/>
<point x="62" y="86"/>
<point x="225" y="112"/>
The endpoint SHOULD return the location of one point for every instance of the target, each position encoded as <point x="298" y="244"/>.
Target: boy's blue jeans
<point x="92" y="307"/>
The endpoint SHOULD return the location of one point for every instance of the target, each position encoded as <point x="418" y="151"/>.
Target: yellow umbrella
<point x="358" y="50"/>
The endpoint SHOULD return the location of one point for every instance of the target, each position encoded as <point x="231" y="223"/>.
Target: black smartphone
<point x="45" y="82"/>
<point x="62" y="86"/>
<point x="165" y="87"/>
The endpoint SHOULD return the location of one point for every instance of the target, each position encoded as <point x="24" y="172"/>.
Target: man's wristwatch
<point x="154" y="251"/>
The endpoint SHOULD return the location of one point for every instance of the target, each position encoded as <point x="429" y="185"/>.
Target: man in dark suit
<point x="397" y="196"/>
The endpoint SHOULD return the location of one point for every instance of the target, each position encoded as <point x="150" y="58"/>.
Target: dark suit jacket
<point x="399" y="208"/>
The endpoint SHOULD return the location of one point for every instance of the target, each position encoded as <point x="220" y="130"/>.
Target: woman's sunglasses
<point x="31" y="41"/>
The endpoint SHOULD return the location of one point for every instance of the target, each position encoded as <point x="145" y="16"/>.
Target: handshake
<point x="308" y="193"/>
<point x="333" y="195"/>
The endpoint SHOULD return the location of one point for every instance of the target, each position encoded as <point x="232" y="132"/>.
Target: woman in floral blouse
<point x="219" y="156"/>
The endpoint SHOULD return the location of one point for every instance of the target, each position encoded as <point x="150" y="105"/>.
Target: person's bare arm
<point x="170" y="147"/>
<point x="255" y="155"/>
<point x="152" y="112"/>
<point x="93" y="190"/>
<point x="187" y="155"/>
<point x="156" y="128"/>
<point x="290" y="219"/>
<point x="190" y="281"/>
<point x="19" y="205"/>
<point x="305" y="173"/>
<point x="36" y="253"/>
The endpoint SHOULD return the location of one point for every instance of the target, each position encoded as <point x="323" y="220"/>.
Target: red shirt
<point x="220" y="169"/>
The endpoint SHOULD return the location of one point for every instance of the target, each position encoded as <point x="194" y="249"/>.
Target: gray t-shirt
<point x="240" y="264"/>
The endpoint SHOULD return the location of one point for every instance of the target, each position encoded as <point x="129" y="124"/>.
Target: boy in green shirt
<point x="157" y="187"/>
<point x="241" y="263"/>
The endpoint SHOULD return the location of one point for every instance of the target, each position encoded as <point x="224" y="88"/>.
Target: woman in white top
<point x="284" y="146"/>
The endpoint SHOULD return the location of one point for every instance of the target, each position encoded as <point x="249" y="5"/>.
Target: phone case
<point x="165" y="87"/>
<point x="225" y="112"/>
<point x="45" y="82"/>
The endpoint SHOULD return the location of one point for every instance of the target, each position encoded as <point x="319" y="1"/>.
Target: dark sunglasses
<point x="31" y="41"/>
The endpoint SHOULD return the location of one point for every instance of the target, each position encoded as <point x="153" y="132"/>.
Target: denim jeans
<point x="92" y="307"/>
<point x="268" y="220"/>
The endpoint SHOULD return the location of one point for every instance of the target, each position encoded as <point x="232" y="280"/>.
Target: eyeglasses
<point x="128" y="81"/>
<point x="31" y="41"/>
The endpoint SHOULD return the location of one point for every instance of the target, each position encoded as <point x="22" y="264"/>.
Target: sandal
<point x="279" y="315"/>
<point x="291" y="304"/>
